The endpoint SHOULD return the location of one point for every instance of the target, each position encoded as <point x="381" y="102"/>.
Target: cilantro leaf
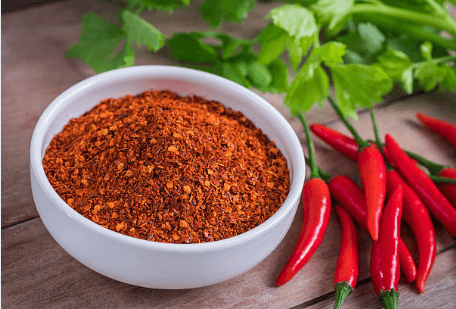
<point x="331" y="53"/>
<point x="142" y="32"/>
<point x="273" y="41"/>
<point x="233" y="72"/>
<point x="335" y="13"/>
<point x="259" y="75"/>
<point x="427" y="75"/>
<point x="426" y="50"/>
<point x="371" y="37"/>
<point x="279" y="72"/>
<point x="164" y="5"/>
<point x="189" y="47"/>
<point x="358" y="85"/>
<point x="447" y="80"/>
<point x="97" y="42"/>
<point x="213" y="11"/>
<point x="298" y="21"/>
<point x="295" y="52"/>
<point x="399" y="67"/>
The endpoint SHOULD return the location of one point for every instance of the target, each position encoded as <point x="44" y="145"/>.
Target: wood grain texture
<point x="37" y="273"/>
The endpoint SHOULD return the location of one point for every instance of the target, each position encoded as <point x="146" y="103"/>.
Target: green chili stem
<point x="439" y="179"/>
<point x="361" y="143"/>
<point x="313" y="161"/>
<point x="378" y="140"/>
<point x="323" y="174"/>
<point x="343" y="289"/>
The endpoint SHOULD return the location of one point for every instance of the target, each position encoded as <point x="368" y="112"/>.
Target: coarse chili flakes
<point x="166" y="168"/>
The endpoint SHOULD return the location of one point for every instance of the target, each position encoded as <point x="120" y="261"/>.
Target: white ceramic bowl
<point x="152" y="264"/>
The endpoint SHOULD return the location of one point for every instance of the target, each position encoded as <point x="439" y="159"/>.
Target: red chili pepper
<point x="404" y="261"/>
<point x="316" y="204"/>
<point x="435" y="201"/>
<point x="341" y="142"/>
<point x="372" y="169"/>
<point x="417" y="217"/>
<point x="316" y="207"/>
<point x="448" y="189"/>
<point x="440" y="127"/>
<point x="384" y="265"/>
<point x="351" y="197"/>
<point x="347" y="269"/>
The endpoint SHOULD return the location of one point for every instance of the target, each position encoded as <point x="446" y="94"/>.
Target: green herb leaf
<point x="334" y="13"/>
<point x="97" y="42"/>
<point x="279" y="72"/>
<point x="447" y="81"/>
<point x="273" y="41"/>
<point x="232" y="72"/>
<point x="259" y="75"/>
<point x="295" y="52"/>
<point x="358" y="85"/>
<point x="213" y="11"/>
<point x="298" y="21"/>
<point x="142" y="32"/>
<point x="164" y="5"/>
<point x="189" y="47"/>
<point x="427" y="75"/>
<point x="332" y="52"/>
<point x="399" y="67"/>
<point x="371" y="37"/>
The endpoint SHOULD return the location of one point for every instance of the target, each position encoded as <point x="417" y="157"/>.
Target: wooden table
<point x="38" y="273"/>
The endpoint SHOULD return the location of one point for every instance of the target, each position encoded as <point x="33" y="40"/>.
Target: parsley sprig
<point x="362" y="48"/>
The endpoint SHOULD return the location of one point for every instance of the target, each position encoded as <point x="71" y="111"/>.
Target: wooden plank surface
<point x="37" y="273"/>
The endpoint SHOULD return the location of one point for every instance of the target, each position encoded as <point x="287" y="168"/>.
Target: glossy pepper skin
<point x="372" y="169"/>
<point x="316" y="205"/>
<point x="347" y="270"/>
<point x="406" y="260"/>
<point x="342" y="143"/>
<point x="437" y="204"/>
<point x="417" y="217"/>
<point x="440" y="127"/>
<point x="384" y="265"/>
<point x="449" y="190"/>
<point x="351" y="197"/>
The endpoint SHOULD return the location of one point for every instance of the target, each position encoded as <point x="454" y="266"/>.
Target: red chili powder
<point x="166" y="168"/>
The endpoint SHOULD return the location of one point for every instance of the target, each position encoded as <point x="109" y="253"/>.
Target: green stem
<point x="323" y="174"/>
<point x="434" y="168"/>
<point x="361" y="143"/>
<point x="439" y="179"/>
<point x="420" y="18"/>
<point x="313" y="161"/>
<point x="389" y="299"/>
<point x="416" y="31"/>
<point x="343" y="289"/>
<point x="436" y="61"/>
<point x="378" y="141"/>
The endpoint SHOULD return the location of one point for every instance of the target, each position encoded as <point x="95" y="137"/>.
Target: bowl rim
<point x="297" y="164"/>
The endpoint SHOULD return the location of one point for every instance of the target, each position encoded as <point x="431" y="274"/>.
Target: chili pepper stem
<point x="323" y="174"/>
<point x="361" y="143"/>
<point x="434" y="168"/>
<point x="343" y="289"/>
<point x="389" y="299"/>
<point x="378" y="140"/>
<point x="313" y="162"/>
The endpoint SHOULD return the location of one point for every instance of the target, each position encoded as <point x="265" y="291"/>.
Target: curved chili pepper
<point x="417" y="217"/>
<point x="404" y="261"/>
<point x="435" y="201"/>
<point x="448" y="189"/>
<point x="372" y="170"/>
<point x="347" y="269"/>
<point x="316" y="207"/>
<point x="384" y="265"/>
<point x="316" y="204"/>
<point x="440" y="127"/>
<point x="351" y="197"/>
<point x="341" y="142"/>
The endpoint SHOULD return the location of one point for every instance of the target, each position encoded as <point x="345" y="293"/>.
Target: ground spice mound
<point x="166" y="168"/>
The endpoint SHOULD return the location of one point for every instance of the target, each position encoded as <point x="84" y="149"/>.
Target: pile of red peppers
<point x="394" y="188"/>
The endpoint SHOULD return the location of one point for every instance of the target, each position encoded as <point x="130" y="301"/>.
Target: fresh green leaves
<point x="189" y="47"/>
<point x="100" y="38"/>
<point x="97" y="42"/>
<point x="296" y="20"/>
<point x="163" y="5"/>
<point x="142" y="32"/>
<point x="333" y="13"/>
<point x="213" y="11"/>
<point x="358" y="85"/>
<point x="399" y="67"/>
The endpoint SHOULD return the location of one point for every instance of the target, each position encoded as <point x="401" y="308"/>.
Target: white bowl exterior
<point x="144" y="263"/>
